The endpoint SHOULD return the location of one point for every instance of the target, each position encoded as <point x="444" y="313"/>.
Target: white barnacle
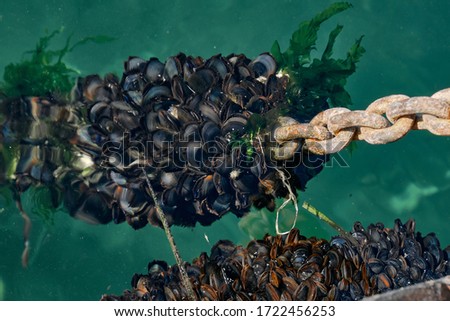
<point x="235" y="173"/>
<point x="282" y="73"/>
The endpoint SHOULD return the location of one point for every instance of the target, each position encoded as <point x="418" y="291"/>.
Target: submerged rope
<point x="26" y="234"/>
<point x="162" y="217"/>
<point x="311" y="209"/>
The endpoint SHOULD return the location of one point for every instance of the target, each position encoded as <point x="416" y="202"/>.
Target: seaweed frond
<point x="44" y="73"/>
<point x="316" y="81"/>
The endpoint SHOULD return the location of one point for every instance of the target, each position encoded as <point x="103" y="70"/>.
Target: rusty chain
<point x="384" y="121"/>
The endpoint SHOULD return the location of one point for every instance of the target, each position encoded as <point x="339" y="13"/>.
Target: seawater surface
<point x="407" y="45"/>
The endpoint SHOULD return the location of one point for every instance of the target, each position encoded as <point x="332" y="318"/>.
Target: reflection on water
<point x="406" y="54"/>
<point x="411" y="197"/>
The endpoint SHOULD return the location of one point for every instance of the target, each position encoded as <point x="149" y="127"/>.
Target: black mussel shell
<point x="263" y="65"/>
<point x="154" y="71"/>
<point x="201" y="80"/>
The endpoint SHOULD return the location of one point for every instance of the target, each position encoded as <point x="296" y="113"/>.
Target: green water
<point x="408" y="50"/>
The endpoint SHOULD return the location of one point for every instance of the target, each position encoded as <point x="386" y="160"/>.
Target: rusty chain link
<point x="384" y="121"/>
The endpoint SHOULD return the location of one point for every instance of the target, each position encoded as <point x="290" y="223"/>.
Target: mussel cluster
<point x="38" y="131"/>
<point x="187" y="126"/>
<point x="293" y="267"/>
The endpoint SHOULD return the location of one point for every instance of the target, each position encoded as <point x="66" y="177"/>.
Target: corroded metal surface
<point x="384" y="121"/>
<point x="434" y="290"/>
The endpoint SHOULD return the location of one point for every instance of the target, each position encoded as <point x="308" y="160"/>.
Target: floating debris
<point x="293" y="267"/>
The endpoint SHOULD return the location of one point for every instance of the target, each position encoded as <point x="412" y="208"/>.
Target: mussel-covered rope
<point x="377" y="259"/>
<point x="162" y="217"/>
<point x="194" y="121"/>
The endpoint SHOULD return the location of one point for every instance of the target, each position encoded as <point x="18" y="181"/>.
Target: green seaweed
<point x="44" y="73"/>
<point x="314" y="81"/>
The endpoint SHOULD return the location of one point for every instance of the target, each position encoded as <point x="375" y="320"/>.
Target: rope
<point x="384" y="121"/>
<point x="162" y="217"/>
<point x="291" y="198"/>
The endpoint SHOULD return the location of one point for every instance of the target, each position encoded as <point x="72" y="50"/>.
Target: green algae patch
<point x="44" y="72"/>
<point x="315" y="81"/>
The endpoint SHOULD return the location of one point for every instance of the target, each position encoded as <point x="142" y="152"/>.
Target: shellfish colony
<point x="368" y="261"/>
<point x="185" y="123"/>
